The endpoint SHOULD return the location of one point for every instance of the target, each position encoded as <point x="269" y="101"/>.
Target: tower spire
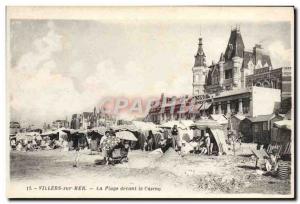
<point x="200" y="58"/>
<point x="200" y="32"/>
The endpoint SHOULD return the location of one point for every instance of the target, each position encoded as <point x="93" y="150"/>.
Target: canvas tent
<point x="220" y="118"/>
<point x="216" y="131"/>
<point x="220" y="138"/>
<point x="100" y="130"/>
<point x="281" y="137"/>
<point x="170" y="124"/>
<point x="186" y="123"/>
<point x="131" y="128"/>
<point x="126" y="135"/>
<point x="56" y="134"/>
<point x="144" y="126"/>
<point x="185" y="133"/>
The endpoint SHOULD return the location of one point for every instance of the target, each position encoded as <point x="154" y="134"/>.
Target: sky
<point x="61" y="67"/>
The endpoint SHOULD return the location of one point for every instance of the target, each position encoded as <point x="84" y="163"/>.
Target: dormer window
<point x="228" y="74"/>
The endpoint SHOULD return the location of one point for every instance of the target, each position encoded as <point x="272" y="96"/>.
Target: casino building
<point x="239" y="83"/>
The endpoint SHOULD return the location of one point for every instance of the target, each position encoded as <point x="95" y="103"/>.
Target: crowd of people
<point x="37" y="143"/>
<point x="202" y="145"/>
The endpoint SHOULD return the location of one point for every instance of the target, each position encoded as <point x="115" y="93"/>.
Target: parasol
<point x="110" y="142"/>
<point x="83" y="131"/>
<point x="49" y="133"/>
<point x="145" y="126"/>
<point x="100" y="130"/>
<point x="70" y="131"/>
<point x="126" y="135"/>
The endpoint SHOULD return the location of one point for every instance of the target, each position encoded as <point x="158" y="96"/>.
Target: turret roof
<point x="200" y="58"/>
<point x="235" y="46"/>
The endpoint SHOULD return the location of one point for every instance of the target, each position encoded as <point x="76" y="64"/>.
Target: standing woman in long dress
<point x="103" y="149"/>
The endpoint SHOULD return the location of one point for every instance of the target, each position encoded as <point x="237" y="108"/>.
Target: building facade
<point x="238" y="83"/>
<point x="60" y="124"/>
<point x="14" y="127"/>
<point x="89" y="120"/>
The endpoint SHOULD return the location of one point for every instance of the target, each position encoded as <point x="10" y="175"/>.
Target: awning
<point x="205" y="106"/>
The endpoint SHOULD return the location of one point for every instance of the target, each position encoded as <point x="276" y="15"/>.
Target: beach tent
<point x="184" y="130"/>
<point x="186" y="123"/>
<point x="186" y="134"/>
<point x="220" y="118"/>
<point x="220" y="138"/>
<point x="69" y="131"/>
<point x="62" y="135"/>
<point x="217" y="132"/>
<point x="170" y="124"/>
<point x="144" y="126"/>
<point x="131" y="128"/>
<point x="126" y="135"/>
<point x="56" y="134"/>
<point x="101" y="130"/>
<point x="49" y="133"/>
<point x="281" y="137"/>
<point x="142" y="133"/>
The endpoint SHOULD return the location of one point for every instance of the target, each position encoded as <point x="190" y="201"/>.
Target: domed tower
<point x="200" y="70"/>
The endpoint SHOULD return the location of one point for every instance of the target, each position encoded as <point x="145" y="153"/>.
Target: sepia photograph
<point x="150" y="102"/>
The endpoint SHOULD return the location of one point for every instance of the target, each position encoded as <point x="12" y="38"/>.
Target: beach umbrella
<point x="38" y="137"/>
<point x="100" y="130"/>
<point x="71" y="131"/>
<point x="110" y="142"/>
<point x="20" y="136"/>
<point x="82" y="131"/>
<point x="126" y="135"/>
<point x="49" y="133"/>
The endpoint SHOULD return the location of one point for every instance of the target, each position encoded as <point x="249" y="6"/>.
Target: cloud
<point x="134" y="79"/>
<point x="36" y="92"/>
<point x="280" y="55"/>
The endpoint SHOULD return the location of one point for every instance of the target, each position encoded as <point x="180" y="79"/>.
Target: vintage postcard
<point x="150" y="102"/>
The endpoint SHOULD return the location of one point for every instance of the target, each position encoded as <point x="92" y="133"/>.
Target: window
<point x="258" y="84"/>
<point x="265" y="126"/>
<point x="256" y="127"/>
<point x="196" y="77"/>
<point x="266" y="84"/>
<point x="228" y="74"/>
